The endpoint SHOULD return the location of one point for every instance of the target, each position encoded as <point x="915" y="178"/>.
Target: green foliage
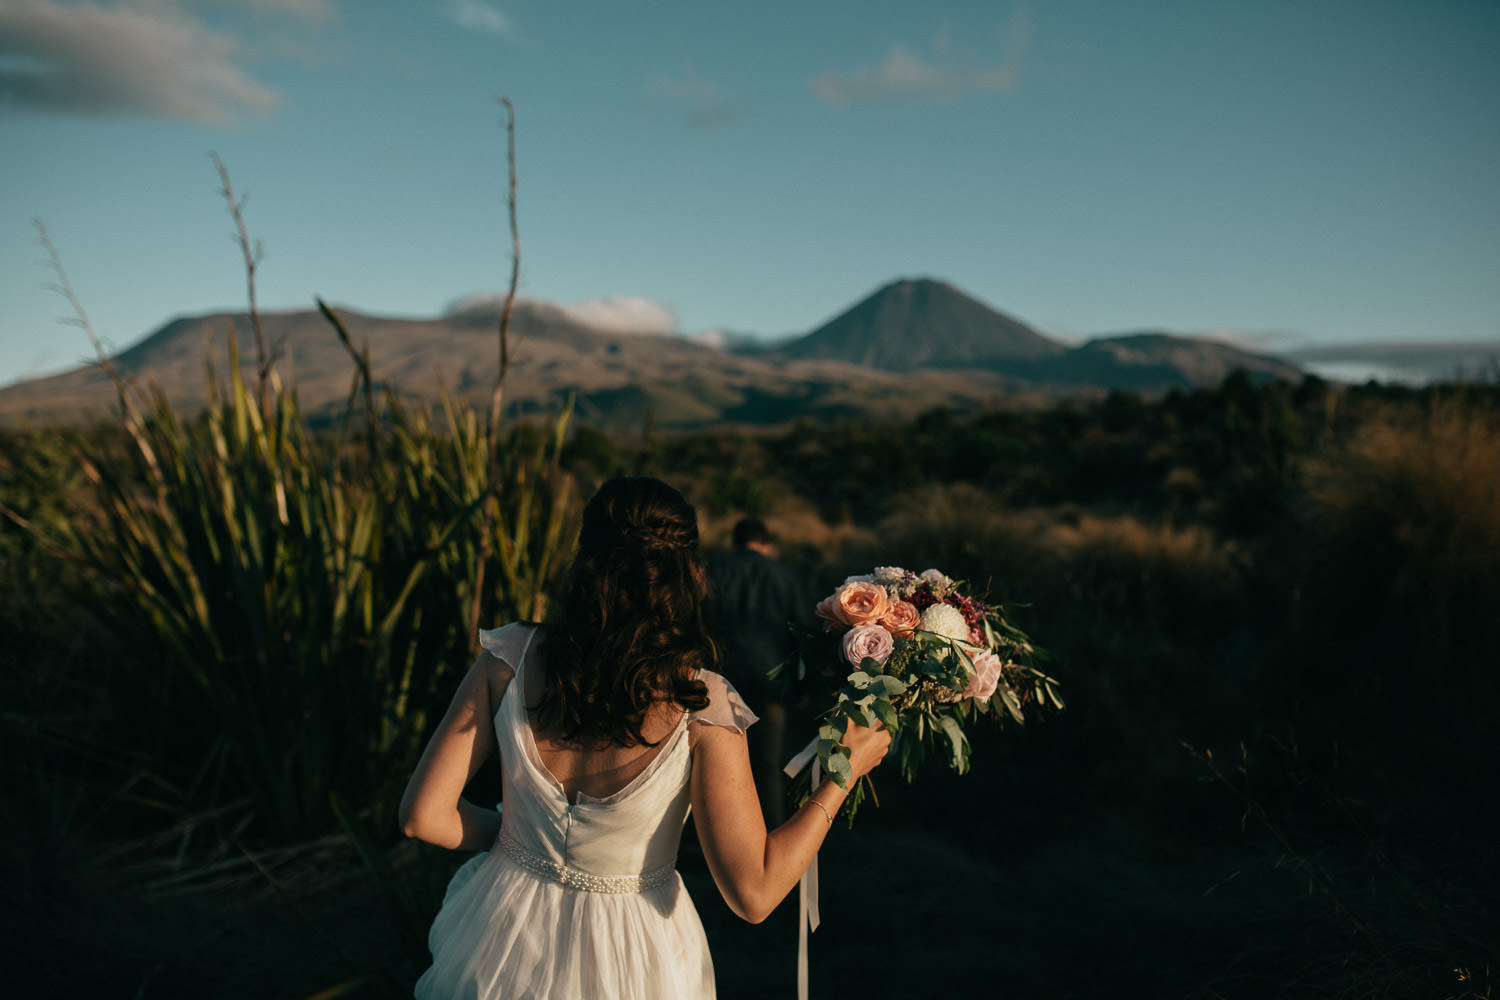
<point x="298" y="605"/>
<point x="38" y="478"/>
<point x="1221" y="456"/>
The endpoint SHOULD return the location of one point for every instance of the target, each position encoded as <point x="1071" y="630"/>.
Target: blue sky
<point x="1291" y="173"/>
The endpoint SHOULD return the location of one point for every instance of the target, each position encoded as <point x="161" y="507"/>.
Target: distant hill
<point x="1153" y="362"/>
<point x="922" y="324"/>
<point x="909" y="347"/>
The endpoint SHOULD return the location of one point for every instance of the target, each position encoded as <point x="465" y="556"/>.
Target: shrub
<point x="1396" y="556"/>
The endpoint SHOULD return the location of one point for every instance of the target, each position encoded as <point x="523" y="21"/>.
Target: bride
<point x="609" y="724"/>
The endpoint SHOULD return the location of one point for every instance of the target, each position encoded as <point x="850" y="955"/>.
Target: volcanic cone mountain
<point x="923" y="323"/>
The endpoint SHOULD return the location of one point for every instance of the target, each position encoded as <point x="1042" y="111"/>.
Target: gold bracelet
<point x="826" y="814"/>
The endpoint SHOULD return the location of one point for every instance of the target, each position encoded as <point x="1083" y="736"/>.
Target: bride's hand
<point x="867" y="747"/>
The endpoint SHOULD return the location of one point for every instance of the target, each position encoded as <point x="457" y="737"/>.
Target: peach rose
<point x="902" y="618"/>
<point x="986" y="676"/>
<point x="855" y="603"/>
<point x="868" y="640"/>
<point x="827" y="610"/>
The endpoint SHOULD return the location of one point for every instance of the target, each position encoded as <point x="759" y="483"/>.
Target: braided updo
<point x="630" y="629"/>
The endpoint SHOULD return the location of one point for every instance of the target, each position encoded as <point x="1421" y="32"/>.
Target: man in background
<point x="752" y="598"/>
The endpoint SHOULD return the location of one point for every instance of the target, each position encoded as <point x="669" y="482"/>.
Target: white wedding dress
<point x="582" y="899"/>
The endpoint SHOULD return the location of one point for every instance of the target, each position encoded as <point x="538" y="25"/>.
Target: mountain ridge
<point x="912" y="345"/>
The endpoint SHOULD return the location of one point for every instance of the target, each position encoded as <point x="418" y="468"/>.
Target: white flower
<point x="947" y="621"/>
<point x="860" y="578"/>
<point x="889" y="575"/>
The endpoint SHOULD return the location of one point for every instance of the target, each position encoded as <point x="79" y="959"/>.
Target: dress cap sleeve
<point x="508" y="642"/>
<point x="725" y="706"/>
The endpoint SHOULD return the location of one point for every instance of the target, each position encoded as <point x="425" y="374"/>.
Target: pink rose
<point x="855" y="603"/>
<point x="902" y="618"/>
<point x="986" y="676"/>
<point x="868" y="640"/>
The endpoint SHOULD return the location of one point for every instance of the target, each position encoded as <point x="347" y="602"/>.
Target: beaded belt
<point x="575" y="879"/>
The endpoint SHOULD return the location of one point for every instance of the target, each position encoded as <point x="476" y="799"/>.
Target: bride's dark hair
<point x="630" y="630"/>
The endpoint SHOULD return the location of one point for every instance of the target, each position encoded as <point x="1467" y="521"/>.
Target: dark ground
<point x="989" y="884"/>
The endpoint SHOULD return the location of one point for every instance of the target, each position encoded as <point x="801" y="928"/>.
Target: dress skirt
<point x="506" y="933"/>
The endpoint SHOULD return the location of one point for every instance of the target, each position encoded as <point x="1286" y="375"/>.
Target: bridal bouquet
<point x="916" y="653"/>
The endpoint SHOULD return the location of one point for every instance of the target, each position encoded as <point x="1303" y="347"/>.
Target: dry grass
<point x="1386" y="668"/>
<point x="1146" y="621"/>
<point x="1129" y="579"/>
<point x="799" y="530"/>
<point x="1406" y="517"/>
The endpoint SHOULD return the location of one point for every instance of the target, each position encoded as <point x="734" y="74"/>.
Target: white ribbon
<point x="807" y="890"/>
<point x="797" y="763"/>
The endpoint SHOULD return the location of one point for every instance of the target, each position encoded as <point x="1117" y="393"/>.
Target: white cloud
<point x="480" y="16"/>
<point x="131" y="58"/>
<point x="940" y="75"/>
<point x="621" y="314"/>
<point x="719" y="340"/>
<point x="706" y="103"/>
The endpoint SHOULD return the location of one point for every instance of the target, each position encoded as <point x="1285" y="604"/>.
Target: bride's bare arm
<point x="755" y="869"/>
<point x="433" y="808"/>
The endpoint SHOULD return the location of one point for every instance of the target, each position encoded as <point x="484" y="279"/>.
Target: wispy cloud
<point x="706" y="104"/>
<point x="143" y="57"/>
<point x="937" y="75"/>
<point x="479" y="16"/>
<point x="623" y="314"/>
<point x="620" y="314"/>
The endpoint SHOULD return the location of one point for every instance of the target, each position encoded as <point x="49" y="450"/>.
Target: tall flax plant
<point x="257" y="586"/>
<point x="299" y="603"/>
<point x="307" y="600"/>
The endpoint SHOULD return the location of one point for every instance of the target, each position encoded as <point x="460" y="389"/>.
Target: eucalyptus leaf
<point x="956" y="738"/>
<point x="839" y="770"/>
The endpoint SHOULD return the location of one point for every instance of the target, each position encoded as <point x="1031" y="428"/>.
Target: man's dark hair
<point x="749" y="530"/>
